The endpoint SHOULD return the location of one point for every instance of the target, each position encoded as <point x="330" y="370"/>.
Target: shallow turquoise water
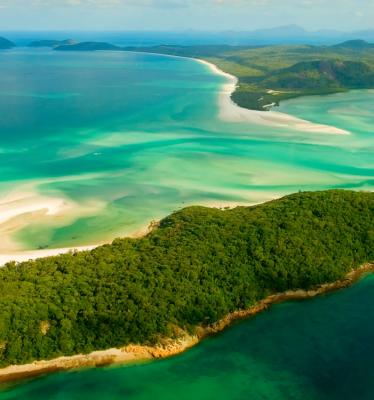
<point x="122" y="139"/>
<point x="314" y="350"/>
<point x="125" y="138"/>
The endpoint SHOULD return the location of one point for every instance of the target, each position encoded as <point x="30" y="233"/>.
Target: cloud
<point x="185" y="14"/>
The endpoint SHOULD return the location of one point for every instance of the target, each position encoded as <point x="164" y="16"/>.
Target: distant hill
<point x="88" y="46"/>
<point x="296" y="34"/>
<point x="290" y="34"/>
<point x="6" y="44"/>
<point x="322" y="74"/>
<point x="51" y="43"/>
<point x="271" y="74"/>
<point x="355" y="44"/>
<point x="287" y="31"/>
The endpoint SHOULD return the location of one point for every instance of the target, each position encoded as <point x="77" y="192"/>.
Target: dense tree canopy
<point x="197" y="266"/>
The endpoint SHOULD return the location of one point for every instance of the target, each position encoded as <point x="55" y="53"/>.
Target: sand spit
<point x="35" y="254"/>
<point x="22" y="256"/>
<point x="25" y="206"/>
<point x="231" y="112"/>
<point x="170" y="347"/>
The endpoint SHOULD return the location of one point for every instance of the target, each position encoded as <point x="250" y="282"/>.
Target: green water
<point x="314" y="350"/>
<point x="122" y="139"/>
<point x="126" y="138"/>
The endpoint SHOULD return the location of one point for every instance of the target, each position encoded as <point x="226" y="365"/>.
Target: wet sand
<point x="231" y="112"/>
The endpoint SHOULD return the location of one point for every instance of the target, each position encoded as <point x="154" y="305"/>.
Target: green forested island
<point x="197" y="266"/>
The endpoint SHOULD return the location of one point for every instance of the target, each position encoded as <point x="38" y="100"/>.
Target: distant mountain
<point x="88" y="46"/>
<point x="6" y="44"/>
<point x="51" y="43"/>
<point x="355" y="44"/>
<point x="297" y="34"/>
<point x="283" y="31"/>
<point x="291" y="34"/>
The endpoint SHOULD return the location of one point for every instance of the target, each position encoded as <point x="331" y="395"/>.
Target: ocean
<point x="96" y="145"/>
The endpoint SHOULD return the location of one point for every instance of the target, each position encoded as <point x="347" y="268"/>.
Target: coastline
<point x="232" y="112"/>
<point x="171" y="347"/>
<point x="229" y="111"/>
<point x="22" y="256"/>
<point x="28" y="205"/>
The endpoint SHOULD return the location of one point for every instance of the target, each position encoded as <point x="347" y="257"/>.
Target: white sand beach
<point x="231" y="112"/>
<point x="29" y="203"/>
<point x="35" y="254"/>
<point x="21" y="208"/>
<point x="21" y="256"/>
<point x="24" y="206"/>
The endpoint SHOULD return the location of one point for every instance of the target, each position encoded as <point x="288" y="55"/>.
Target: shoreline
<point x="29" y="255"/>
<point x="171" y="347"/>
<point x="24" y="205"/>
<point x="232" y="112"/>
<point x="228" y="111"/>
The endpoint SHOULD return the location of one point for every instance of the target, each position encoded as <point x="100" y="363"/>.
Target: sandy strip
<point x="231" y="112"/>
<point x="50" y="206"/>
<point x="22" y="256"/>
<point x="125" y="355"/>
<point x="171" y="347"/>
<point x="23" y="206"/>
<point x="17" y="216"/>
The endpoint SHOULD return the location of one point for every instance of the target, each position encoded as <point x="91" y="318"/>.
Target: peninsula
<point x="87" y="46"/>
<point x="199" y="267"/>
<point x="268" y="75"/>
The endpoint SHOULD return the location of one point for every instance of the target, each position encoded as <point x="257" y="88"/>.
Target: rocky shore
<point x="170" y="347"/>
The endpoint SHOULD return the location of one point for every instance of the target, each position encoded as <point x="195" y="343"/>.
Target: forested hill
<point x="6" y="44"/>
<point x="197" y="266"/>
<point x="88" y="46"/>
<point x="270" y="74"/>
<point x="326" y="73"/>
<point x="355" y="44"/>
<point x="51" y="43"/>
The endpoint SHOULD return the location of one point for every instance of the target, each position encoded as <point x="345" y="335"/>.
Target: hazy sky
<point x="184" y="14"/>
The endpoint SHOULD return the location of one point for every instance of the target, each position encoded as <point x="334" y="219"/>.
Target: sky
<point x="165" y="15"/>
